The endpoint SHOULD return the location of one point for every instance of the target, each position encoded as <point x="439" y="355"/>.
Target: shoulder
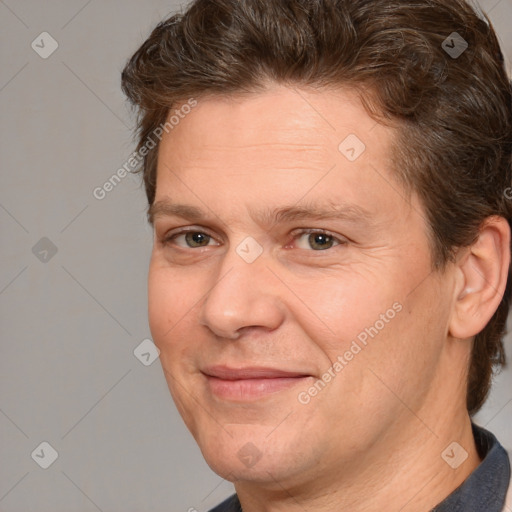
<point x="508" y="499"/>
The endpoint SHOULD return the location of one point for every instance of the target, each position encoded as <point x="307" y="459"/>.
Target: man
<point x="327" y="181"/>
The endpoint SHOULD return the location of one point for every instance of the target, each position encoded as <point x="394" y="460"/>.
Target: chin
<point x="253" y="456"/>
<point x="263" y="472"/>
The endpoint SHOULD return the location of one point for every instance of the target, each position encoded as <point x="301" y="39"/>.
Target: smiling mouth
<point x="251" y="383"/>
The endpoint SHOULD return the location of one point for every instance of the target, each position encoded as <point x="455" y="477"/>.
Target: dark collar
<point x="230" y="505"/>
<point x="483" y="490"/>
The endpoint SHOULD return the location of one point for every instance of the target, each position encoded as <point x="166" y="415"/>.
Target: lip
<point x="250" y="383"/>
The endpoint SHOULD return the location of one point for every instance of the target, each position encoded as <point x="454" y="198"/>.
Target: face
<point x="290" y="285"/>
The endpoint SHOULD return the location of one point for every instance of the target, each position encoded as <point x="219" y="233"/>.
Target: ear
<point x="481" y="279"/>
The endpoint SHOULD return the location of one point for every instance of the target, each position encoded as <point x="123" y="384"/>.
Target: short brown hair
<point x="453" y="112"/>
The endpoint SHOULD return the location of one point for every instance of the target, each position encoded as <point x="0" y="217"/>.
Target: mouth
<point x="250" y="383"/>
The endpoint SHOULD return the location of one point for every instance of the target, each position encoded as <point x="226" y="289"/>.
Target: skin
<point x="372" y="438"/>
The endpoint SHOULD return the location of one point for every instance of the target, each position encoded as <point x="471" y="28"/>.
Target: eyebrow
<point x="310" y="211"/>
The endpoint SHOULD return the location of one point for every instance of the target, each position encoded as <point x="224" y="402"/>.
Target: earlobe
<point x="481" y="279"/>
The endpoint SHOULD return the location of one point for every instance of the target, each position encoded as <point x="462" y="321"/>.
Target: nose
<point x="243" y="297"/>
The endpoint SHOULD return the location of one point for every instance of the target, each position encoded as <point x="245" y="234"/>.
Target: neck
<point x="404" y="471"/>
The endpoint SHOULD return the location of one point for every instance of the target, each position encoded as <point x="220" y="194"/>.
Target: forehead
<point x="282" y="146"/>
<point x="283" y="126"/>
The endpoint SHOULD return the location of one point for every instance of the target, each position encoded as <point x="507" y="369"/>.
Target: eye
<point x="189" y="239"/>
<point x="317" y="240"/>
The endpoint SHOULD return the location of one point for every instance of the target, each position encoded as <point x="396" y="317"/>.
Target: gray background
<point x="70" y="321"/>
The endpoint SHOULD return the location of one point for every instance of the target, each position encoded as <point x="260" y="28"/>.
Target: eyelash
<point x="167" y="239"/>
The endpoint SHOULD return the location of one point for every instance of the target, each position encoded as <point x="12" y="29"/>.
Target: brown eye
<point x="189" y="239"/>
<point x="320" y="241"/>
<point x="317" y="240"/>
<point x="197" y="239"/>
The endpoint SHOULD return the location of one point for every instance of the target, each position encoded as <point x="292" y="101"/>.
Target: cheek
<point x="170" y="310"/>
<point x="171" y="298"/>
<point x="379" y="319"/>
<point x="343" y="305"/>
<point x="161" y="296"/>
